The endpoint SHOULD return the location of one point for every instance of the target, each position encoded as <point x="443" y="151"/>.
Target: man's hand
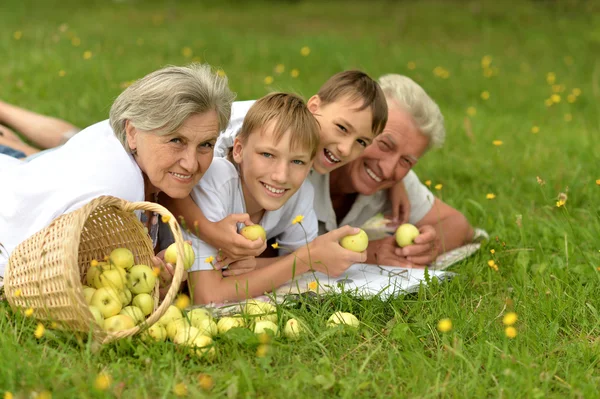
<point x="383" y="252"/>
<point x="424" y="251"/>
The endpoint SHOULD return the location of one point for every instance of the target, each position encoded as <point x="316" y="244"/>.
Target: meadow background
<point x="518" y="83"/>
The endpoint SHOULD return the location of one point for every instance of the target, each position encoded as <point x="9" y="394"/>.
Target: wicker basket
<point x="45" y="272"/>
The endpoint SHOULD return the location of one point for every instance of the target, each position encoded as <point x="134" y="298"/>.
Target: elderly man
<point x="357" y="191"/>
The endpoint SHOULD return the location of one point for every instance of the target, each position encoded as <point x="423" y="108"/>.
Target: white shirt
<point x="91" y="164"/>
<point x="219" y="194"/>
<point x="239" y="109"/>
<point x="367" y="206"/>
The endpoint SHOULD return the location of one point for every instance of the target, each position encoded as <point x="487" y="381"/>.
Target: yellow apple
<point x="263" y="326"/>
<point x="186" y="336"/>
<point x="207" y="327"/>
<point x="261" y="310"/>
<point x="343" y="318"/>
<point x="88" y="292"/>
<point x="119" y="322"/>
<point x="227" y="323"/>
<point x="91" y="275"/>
<point x="197" y="315"/>
<point x="405" y="234"/>
<point x="141" y="279"/>
<point x="125" y="296"/>
<point x="134" y="312"/>
<point x="172" y="313"/>
<point x="107" y="301"/>
<point x="293" y="329"/>
<point x="145" y="302"/>
<point x="110" y="276"/>
<point x="174" y="326"/>
<point x="204" y="346"/>
<point x="254" y="232"/>
<point x="188" y="260"/>
<point x="97" y="316"/>
<point x="156" y="332"/>
<point x="121" y="257"/>
<point x="356" y="242"/>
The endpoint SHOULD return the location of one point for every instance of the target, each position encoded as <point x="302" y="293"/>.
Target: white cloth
<point x="219" y="194"/>
<point x="366" y="206"/>
<point x="239" y="109"/>
<point x="91" y="164"/>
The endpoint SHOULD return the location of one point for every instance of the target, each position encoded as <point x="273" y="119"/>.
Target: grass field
<point x="518" y="83"/>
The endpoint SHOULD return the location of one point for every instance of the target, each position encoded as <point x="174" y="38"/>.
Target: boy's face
<point x="345" y="132"/>
<point x="271" y="172"/>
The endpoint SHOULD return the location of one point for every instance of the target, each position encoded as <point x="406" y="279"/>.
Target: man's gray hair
<point x="164" y="99"/>
<point x="412" y="98"/>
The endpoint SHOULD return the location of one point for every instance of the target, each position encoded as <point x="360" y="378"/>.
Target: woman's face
<point x="174" y="163"/>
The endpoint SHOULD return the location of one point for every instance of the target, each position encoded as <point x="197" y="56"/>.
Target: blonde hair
<point x="290" y="114"/>
<point x="162" y="100"/>
<point x="357" y="85"/>
<point x="413" y="99"/>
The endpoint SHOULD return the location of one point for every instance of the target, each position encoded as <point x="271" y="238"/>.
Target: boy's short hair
<point x="290" y="113"/>
<point x="358" y="86"/>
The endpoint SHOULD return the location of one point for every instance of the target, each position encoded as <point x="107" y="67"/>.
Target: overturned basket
<point x="45" y="272"/>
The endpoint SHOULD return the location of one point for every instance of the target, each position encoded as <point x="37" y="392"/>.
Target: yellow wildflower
<point x="262" y="350"/>
<point x="558" y="88"/>
<point x="485" y="95"/>
<point x="576" y="91"/>
<point x="165" y="218"/>
<point x="548" y="102"/>
<point x="510" y="332"/>
<point x="298" y="219"/>
<point x="186" y="52"/>
<point x="180" y="390"/>
<point x="62" y="73"/>
<point x="210" y="259"/>
<point x="305" y="51"/>
<point x="182" y="302"/>
<point x="8" y="395"/>
<point x="103" y="381"/>
<point x="497" y="142"/>
<point x="491" y="263"/>
<point x="312" y="286"/>
<point x="156" y="271"/>
<point x="488" y="72"/>
<point x="294" y="73"/>
<point x="279" y="68"/>
<point x="568" y="117"/>
<point x="550" y="78"/>
<point x="76" y="41"/>
<point x="275" y="246"/>
<point x="438" y="186"/>
<point x="87" y="55"/>
<point x="444" y="325"/>
<point x="571" y="98"/>
<point x="28" y="312"/>
<point x="411" y="65"/>
<point x="555" y="98"/>
<point x="490" y="196"/>
<point x="486" y="61"/>
<point x="268" y="80"/>
<point x="492" y="251"/>
<point x="509" y="319"/>
<point x="535" y="129"/>
<point x="598" y="182"/>
<point x="18" y="35"/>
<point x="94" y="263"/>
<point x="428" y="183"/>
<point x="221" y="73"/>
<point x="471" y="111"/>
<point x="18" y="293"/>
<point x="560" y="202"/>
<point x="39" y="331"/>
<point x="44" y="395"/>
<point x="206" y="382"/>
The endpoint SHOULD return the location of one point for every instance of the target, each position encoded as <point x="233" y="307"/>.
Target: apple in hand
<point x="227" y="323"/>
<point x="293" y="329"/>
<point x="134" y="312"/>
<point x="145" y="302"/>
<point x="107" y="301"/>
<point x="119" y="322"/>
<point x="263" y="326"/>
<point x="254" y="232"/>
<point x="188" y="260"/>
<point x="356" y="242"/>
<point x="156" y="332"/>
<point x="172" y="313"/>
<point x="88" y="292"/>
<point x="121" y="257"/>
<point x="141" y="279"/>
<point x="97" y="316"/>
<point x="405" y="234"/>
<point x="343" y="318"/>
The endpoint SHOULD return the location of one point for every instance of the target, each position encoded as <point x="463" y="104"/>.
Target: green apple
<point x="141" y="279"/>
<point x="134" y="312"/>
<point x="405" y="234"/>
<point x="145" y="302"/>
<point x="125" y="296"/>
<point x="207" y="327"/>
<point x="121" y="257"/>
<point x="203" y="345"/>
<point x="174" y="326"/>
<point x="110" y="276"/>
<point x="227" y="323"/>
<point x="343" y="318"/>
<point x="156" y="332"/>
<point x="119" y="322"/>
<point x="263" y="326"/>
<point x="172" y="313"/>
<point x="293" y="329"/>
<point x="91" y="275"/>
<point x="356" y="242"/>
<point x="97" y="316"/>
<point x="185" y="336"/>
<point x="107" y="301"/>
<point x="188" y="260"/>
<point x="260" y="310"/>
<point x="254" y="232"/>
<point x="197" y="315"/>
<point x="88" y="292"/>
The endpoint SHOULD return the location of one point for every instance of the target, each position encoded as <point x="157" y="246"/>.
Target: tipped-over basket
<point x="45" y="272"/>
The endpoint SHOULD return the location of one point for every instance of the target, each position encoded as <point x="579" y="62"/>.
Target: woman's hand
<point x="238" y="267"/>
<point x="232" y="245"/>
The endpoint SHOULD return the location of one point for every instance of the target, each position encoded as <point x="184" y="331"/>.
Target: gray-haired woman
<point x="159" y="138"/>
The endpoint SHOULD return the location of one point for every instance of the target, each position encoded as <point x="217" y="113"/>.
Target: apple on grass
<point x="264" y="326"/>
<point x="97" y="316"/>
<point x="197" y="315"/>
<point x="227" y="323"/>
<point x="207" y="327"/>
<point x="119" y="322"/>
<point x="145" y="302"/>
<point x="134" y="312"/>
<point x="204" y="347"/>
<point x="356" y="242"/>
<point x="173" y="313"/>
<point x="88" y="292"/>
<point x="260" y="310"/>
<point x="254" y="232"/>
<point x="293" y="329"/>
<point x="188" y="260"/>
<point x="406" y="234"/>
<point x="155" y="332"/>
<point x="343" y="318"/>
<point x="141" y="279"/>
<point x="107" y="301"/>
<point x="121" y="257"/>
<point x="186" y="336"/>
<point x="175" y="326"/>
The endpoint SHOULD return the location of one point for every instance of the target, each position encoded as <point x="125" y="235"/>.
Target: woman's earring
<point x="134" y="151"/>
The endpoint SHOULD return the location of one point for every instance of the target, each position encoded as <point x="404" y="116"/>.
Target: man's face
<point x="391" y="156"/>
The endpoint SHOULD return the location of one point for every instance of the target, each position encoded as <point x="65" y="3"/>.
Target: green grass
<point x="547" y="263"/>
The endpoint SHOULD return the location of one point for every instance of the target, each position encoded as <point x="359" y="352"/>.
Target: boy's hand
<point x="329" y="257"/>
<point x="233" y="245"/>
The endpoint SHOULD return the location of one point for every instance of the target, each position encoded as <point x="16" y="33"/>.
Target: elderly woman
<point x="159" y="138"/>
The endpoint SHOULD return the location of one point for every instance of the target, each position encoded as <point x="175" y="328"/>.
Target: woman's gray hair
<point x="412" y="98"/>
<point x="164" y="99"/>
